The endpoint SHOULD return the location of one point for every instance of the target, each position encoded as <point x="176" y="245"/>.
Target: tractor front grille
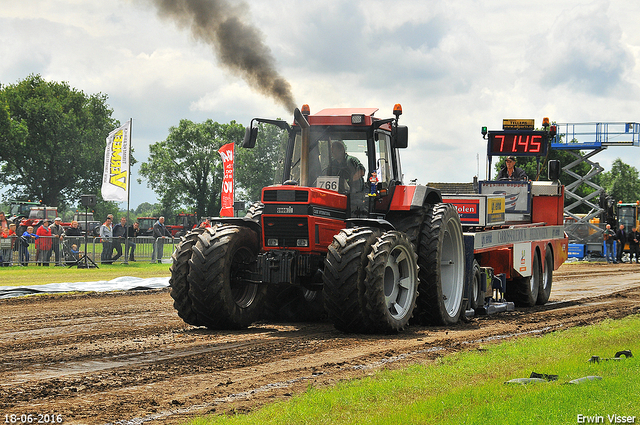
<point x="286" y="229"/>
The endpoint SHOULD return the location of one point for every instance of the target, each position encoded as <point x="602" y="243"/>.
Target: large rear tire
<point x="523" y="291"/>
<point x="220" y="298"/>
<point x="441" y="262"/>
<point x="343" y="276"/>
<point x="178" y="282"/>
<point x="544" y="292"/>
<point x="391" y="284"/>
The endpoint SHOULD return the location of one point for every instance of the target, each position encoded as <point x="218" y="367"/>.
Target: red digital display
<point x="503" y="143"/>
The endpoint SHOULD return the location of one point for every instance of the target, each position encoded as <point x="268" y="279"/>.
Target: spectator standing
<point x="43" y="244"/>
<point x="106" y="234"/>
<point x="25" y="241"/>
<point x="634" y="244"/>
<point x="4" y="224"/>
<point x="621" y="237"/>
<point x="57" y="233"/>
<point x="73" y="234"/>
<point x="8" y="239"/>
<point x="119" y="232"/>
<point x="132" y="233"/>
<point x="609" y="236"/>
<point x="160" y="232"/>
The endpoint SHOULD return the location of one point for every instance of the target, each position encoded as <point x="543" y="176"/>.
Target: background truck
<point x="343" y="235"/>
<point x="36" y="216"/>
<point x="19" y="210"/>
<point x="86" y="219"/>
<point x="183" y="223"/>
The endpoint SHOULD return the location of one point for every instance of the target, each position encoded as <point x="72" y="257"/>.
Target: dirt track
<point x="128" y="358"/>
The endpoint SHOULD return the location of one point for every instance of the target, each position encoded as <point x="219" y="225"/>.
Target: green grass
<point x="469" y="387"/>
<point x="34" y="275"/>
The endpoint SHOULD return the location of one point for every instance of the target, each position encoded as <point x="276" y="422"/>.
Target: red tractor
<point x="328" y="239"/>
<point x="184" y="223"/>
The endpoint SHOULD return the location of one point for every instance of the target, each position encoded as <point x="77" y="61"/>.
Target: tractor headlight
<point x="272" y="242"/>
<point x="302" y="242"/>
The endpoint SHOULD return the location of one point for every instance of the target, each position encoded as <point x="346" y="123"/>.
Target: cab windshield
<point x="337" y="160"/>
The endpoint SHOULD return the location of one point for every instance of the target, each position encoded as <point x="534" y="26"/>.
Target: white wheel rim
<point x="399" y="282"/>
<point x="452" y="268"/>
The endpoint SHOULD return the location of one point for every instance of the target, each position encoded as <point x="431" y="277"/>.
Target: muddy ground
<point x="127" y="357"/>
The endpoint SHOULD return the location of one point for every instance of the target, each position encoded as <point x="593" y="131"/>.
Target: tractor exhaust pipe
<point x="304" y="148"/>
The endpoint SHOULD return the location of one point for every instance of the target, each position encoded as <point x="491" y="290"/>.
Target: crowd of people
<point x="47" y="239"/>
<point x="59" y="245"/>
<point x="621" y="237"/>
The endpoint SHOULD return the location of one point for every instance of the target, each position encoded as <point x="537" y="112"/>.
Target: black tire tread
<point x="429" y="303"/>
<point x="210" y="277"/>
<point x="178" y="282"/>
<point x="343" y="278"/>
<point x="545" y="293"/>
<point x="380" y="320"/>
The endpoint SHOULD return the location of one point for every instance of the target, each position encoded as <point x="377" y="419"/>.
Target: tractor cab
<point x="343" y="150"/>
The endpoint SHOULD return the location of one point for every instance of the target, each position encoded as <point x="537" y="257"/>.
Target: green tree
<point x="185" y="170"/>
<point x="261" y="166"/>
<point x="622" y="182"/>
<point x="54" y="147"/>
<point x="146" y="209"/>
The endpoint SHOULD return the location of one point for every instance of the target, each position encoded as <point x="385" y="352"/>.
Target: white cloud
<point x="583" y="51"/>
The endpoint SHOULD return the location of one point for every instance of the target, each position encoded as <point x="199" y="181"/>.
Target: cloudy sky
<point x="455" y="66"/>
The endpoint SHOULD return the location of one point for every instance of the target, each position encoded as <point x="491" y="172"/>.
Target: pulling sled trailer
<point x="514" y="233"/>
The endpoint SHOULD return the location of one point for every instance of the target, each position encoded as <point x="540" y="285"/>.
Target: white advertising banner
<point x="115" y="179"/>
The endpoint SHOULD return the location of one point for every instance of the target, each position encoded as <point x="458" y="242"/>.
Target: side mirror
<point x="401" y="139"/>
<point x="250" y="136"/>
<point x="554" y="170"/>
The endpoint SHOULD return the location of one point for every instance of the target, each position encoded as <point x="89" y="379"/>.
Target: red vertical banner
<point x="226" y="152"/>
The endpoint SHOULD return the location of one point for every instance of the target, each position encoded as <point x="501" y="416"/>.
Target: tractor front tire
<point x="441" y="262"/>
<point x="391" y="284"/>
<point x="343" y="276"/>
<point x="178" y="282"/>
<point x="255" y="211"/>
<point x="220" y="298"/>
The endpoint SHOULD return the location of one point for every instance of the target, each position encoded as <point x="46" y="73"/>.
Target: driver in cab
<point x="511" y="172"/>
<point x="346" y="166"/>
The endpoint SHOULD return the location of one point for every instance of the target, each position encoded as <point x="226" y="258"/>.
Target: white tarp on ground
<point x="124" y="283"/>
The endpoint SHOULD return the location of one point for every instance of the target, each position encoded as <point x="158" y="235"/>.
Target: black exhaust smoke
<point x="238" y="46"/>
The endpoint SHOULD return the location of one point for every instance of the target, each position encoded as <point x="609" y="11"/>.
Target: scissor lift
<point x="594" y="137"/>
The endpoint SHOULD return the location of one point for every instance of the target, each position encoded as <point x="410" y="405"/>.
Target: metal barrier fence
<point x="70" y="249"/>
